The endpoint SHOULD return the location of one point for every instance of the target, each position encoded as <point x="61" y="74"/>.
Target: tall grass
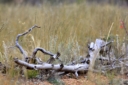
<point x="62" y="24"/>
<point x="66" y="28"/>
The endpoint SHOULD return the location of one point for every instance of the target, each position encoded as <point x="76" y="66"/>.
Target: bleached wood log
<point x="58" y="67"/>
<point x="94" y="49"/>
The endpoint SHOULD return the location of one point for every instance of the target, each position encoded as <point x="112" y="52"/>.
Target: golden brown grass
<point x="65" y="28"/>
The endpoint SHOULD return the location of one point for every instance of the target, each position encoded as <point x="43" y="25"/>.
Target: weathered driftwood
<point x="95" y="51"/>
<point x="58" y="67"/>
<point x="40" y="65"/>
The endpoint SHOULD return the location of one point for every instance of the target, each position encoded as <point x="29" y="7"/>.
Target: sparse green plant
<point x="32" y="73"/>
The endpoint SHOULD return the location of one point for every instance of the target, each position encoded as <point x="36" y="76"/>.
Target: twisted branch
<point x="22" y="34"/>
<point x="52" y="58"/>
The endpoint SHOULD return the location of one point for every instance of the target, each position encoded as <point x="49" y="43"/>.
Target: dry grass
<point x="65" y="28"/>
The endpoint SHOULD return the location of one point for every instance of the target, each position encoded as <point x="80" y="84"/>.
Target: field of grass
<point x="65" y="28"/>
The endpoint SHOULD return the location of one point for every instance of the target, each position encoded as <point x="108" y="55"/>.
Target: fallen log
<point x="58" y="67"/>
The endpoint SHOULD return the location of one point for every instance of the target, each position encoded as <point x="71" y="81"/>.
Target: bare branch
<point x="43" y="51"/>
<point x="52" y="58"/>
<point x="22" y="34"/>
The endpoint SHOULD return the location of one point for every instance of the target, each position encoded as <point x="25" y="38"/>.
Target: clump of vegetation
<point x="32" y="73"/>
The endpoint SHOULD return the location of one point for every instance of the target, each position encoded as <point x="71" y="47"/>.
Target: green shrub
<point x="32" y="73"/>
